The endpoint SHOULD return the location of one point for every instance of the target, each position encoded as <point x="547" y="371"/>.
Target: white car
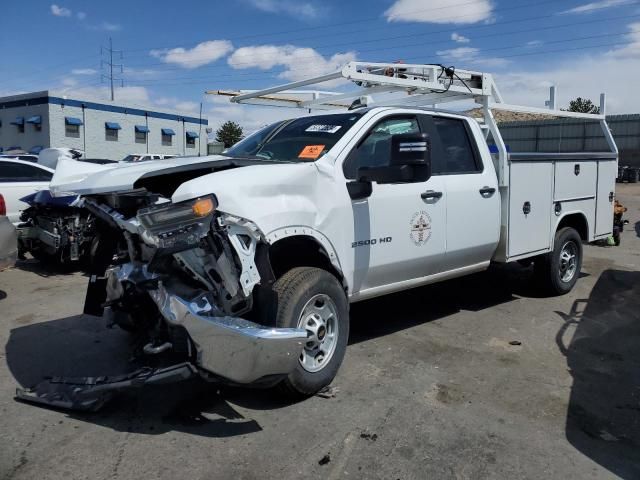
<point x="19" y="178"/>
<point x="143" y="157"/>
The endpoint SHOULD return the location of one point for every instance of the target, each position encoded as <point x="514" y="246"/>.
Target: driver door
<point x="399" y="231"/>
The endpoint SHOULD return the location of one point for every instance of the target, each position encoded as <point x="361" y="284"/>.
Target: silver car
<point x="8" y="239"/>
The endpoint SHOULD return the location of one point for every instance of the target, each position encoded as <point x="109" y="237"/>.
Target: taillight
<point x="3" y="206"/>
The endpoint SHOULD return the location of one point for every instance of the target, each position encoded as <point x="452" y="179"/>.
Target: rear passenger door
<point x="473" y="199"/>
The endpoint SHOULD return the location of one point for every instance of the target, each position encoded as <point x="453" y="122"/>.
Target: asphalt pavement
<point x="481" y="377"/>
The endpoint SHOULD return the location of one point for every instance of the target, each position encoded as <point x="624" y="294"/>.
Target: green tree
<point x="583" y="105"/>
<point x="229" y="133"/>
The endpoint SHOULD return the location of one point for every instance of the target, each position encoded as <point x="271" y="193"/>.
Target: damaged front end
<point x="55" y="229"/>
<point x="183" y="276"/>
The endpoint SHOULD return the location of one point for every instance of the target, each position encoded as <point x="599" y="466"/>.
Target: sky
<point x="172" y="52"/>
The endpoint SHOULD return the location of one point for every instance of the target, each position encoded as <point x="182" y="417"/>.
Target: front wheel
<point x="313" y="299"/>
<point x="559" y="270"/>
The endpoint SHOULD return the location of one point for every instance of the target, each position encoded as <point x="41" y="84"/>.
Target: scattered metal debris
<point x="369" y="436"/>
<point x="328" y="392"/>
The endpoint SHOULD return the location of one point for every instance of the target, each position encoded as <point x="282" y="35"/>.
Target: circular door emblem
<point x="420" y="228"/>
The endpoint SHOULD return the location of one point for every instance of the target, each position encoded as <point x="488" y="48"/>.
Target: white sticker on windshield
<point x="324" y="128"/>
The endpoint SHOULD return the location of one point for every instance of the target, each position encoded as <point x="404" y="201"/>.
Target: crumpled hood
<point x="86" y="178"/>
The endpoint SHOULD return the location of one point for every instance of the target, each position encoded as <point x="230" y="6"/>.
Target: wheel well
<point x="300" y="251"/>
<point x="578" y="222"/>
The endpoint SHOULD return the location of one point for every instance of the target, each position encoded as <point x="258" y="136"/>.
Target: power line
<point x="324" y="34"/>
<point x="405" y="45"/>
<point x="324" y="27"/>
<point x="473" y="61"/>
<point x="257" y="76"/>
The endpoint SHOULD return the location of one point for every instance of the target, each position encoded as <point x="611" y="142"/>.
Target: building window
<point x="111" y="131"/>
<point x="36" y="121"/>
<point x="141" y="132"/>
<point x="191" y="139"/>
<point x="72" y="127"/>
<point x="167" y="137"/>
<point x="72" y="131"/>
<point x="19" y="122"/>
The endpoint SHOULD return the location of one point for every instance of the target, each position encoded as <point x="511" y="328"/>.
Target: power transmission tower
<point x="109" y="63"/>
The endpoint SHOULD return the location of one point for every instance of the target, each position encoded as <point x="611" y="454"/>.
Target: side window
<point x="17" y="172"/>
<point x="457" y="150"/>
<point x="375" y="149"/>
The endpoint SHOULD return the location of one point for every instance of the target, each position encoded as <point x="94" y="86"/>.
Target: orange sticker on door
<point x="311" y="151"/>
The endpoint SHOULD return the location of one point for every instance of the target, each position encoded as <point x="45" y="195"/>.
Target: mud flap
<point x="90" y="394"/>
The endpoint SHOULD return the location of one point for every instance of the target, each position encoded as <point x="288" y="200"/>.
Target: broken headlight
<point x="170" y="224"/>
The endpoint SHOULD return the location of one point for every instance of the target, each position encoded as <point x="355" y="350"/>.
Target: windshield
<point x="132" y="158"/>
<point x="299" y="140"/>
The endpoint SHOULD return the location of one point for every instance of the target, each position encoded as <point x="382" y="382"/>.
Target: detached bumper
<point x="229" y="347"/>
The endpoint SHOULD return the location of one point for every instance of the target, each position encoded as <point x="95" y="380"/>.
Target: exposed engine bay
<point x="55" y="231"/>
<point x="190" y="246"/>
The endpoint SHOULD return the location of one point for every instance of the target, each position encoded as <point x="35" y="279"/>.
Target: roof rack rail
<point x="417" y="84"/>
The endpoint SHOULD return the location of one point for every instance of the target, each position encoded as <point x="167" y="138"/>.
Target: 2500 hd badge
<point x="370" y="242"/>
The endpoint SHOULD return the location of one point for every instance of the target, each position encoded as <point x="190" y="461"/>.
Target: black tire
<point x="551" y="270"/>
<point x="293" y="291"/>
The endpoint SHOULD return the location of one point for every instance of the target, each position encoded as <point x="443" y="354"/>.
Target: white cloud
<point x="535" y="43"/>
<point x="632" y="49"/>
<point x="439" y="11"/>
<point x="106" y="27"/>
<point x="60" y="11"/>
<point x="134" y="95"/>
<point x="201" y="54"/>
<point x="595" y="6"/>
<point x="460" y="53"/>
<point x="290" y="7"/>
<point x="456" y="37"/>
<point x="298" y="62"/>
<point x="470" y="56"/>
<point x="575" y="78"/>
<point x="84" y="71"/>
<point x="81" y="15"/>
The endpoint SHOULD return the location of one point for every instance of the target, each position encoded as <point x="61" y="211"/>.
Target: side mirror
<point x="410" y="161"/>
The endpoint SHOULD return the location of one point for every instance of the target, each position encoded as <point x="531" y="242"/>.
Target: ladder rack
<point x="417" y="84"/>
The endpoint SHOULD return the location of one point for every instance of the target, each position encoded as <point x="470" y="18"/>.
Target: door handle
<point x="430" y="194"/>
<point x="488" y="191"/>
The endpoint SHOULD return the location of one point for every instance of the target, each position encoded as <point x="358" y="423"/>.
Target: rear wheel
<point x="559" y="270"/>
<point x="313" y="299"/>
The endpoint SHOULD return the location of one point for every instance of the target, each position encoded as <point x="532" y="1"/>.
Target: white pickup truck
<point x="246" y="262"/>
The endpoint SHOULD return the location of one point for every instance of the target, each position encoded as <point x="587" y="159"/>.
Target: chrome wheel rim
<point x="568" y="261"/>
<point x="319" y="318"/>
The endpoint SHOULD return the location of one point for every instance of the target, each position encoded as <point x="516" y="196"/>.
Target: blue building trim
<point x="100" y="107"/>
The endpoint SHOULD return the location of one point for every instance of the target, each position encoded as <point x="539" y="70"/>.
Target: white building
<point x="110" y="130"/>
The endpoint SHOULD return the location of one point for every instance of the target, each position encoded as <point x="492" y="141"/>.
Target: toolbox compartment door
<point x="575" y="180"/>
<point x="530" y="207"/>
<point x="607" y="172"/>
